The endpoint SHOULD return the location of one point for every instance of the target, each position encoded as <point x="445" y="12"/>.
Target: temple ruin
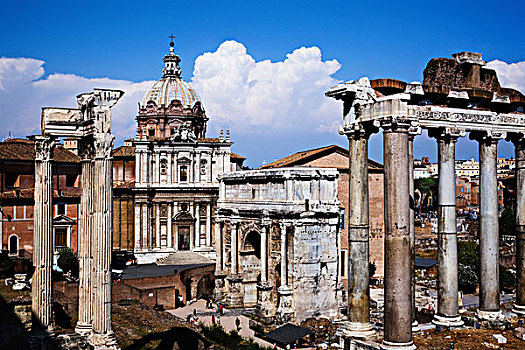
<point x="458" y="95"/>
<point x="90" y="123"/>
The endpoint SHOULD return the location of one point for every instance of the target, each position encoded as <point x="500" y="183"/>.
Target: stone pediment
<point x="183" y="216"/>
<point x="184" y="160"/>
<point x="63" y="220"/>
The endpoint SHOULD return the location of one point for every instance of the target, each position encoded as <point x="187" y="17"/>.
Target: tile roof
<point x="288" y="334"/>
<point x="22" y="149"/>
<point x="236" y="156"/>
<point x="303" y="157"/>
<point x="123" y="151"/>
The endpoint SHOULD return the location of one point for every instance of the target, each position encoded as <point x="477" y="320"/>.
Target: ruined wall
<point x="315" y="270"/>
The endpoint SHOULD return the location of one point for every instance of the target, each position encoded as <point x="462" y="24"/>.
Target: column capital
<point x="397" y="124"/>
<point x="517" y="138"/>
<point x="447" y="134"/>
<point x="103" y="144"/>
<point x="358" y="130"/>
<point x="491" y="137"/>
<point x="44" y="147"/>
<point x="413" y="131"/>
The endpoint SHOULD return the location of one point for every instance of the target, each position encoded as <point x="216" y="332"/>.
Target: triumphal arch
<point x="90" y="124"/>
<point x="458" y="96"/>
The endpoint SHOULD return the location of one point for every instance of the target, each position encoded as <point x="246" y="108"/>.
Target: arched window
<point x="13" y="244"/>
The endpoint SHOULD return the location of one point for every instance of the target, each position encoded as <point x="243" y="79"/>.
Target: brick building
<point x="17" y="181"/>
<point x="335" y="156"/>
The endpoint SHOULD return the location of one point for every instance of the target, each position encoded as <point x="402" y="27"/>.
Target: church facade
<point x="175" y="187"/>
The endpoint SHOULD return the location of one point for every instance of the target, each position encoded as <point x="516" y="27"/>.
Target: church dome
<point x="171" y="86"/>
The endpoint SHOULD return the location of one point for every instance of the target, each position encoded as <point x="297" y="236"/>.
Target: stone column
<point x="447" y="312"/>
<point x="84" y="325"/>
<point x="170" y="168"/>
<point x="398" y="284"/>
<point x="358" y="234"/>
<point x="103" y="337"/>
<point x="157" y="225"/>
<point x="197" y="232"/>
<point x="264" y="250"/>
<point x="235" y="296"/>
<point x="489" y="229"/>
<point x="138" y="226"/>
<point x="41" y="287"/>
<point x="265" y="304"/>
<point x="220" y="274"/>
<point x="285" y="312"/>
<point x="519" y="306"/>
<point x="170" y="228"/>
<point x="411" y="135"/>
<point x="208" y="224"/>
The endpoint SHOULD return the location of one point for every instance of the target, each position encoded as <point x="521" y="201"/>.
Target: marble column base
<point x="519" y="310"/>
<point x="285" y="312"/>
<point x="489" y="315"/>
<point x="415" y="327"/>
<point x="83" y="328"/>
<point x="104" y="341"/>
<point x="447" y="321"/>
<point x="386" y="345"/>
<point x="41" y="339"/>
<point x="356" y="330"/>
<point x="235" y="299"/>
<point x="266" y="305"/>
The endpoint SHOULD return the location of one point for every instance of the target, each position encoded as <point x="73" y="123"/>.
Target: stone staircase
<point x="183" y="257"/>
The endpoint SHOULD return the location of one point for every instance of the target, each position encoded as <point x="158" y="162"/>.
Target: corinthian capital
<point x="103" y="144"/>
<point x="44" y="147"/>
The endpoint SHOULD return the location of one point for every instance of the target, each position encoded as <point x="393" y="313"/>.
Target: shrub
<point x="68" y="261"/>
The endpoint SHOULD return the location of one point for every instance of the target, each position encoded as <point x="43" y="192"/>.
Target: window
<point x="343" y="263"/>
<point x="13" y="245"/>
<point x="163" y="166"/>
<point x="61" y="209"/>
<point x="12" y="180"/>
<point x="60" y="237"/>
<point x="71" y="180"/>
<point x="151" y="132"/>
<point x="183" y="173"/>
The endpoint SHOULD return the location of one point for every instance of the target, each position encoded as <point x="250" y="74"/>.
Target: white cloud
<point x="23" y="92"/>
<point x="510" y="75"/>
<point x="243" y="94"/>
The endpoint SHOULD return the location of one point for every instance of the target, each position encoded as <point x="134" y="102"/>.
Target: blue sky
<point x="79" y="43"/>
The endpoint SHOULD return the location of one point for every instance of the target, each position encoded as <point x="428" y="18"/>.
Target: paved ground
<point x="227" y="321"/>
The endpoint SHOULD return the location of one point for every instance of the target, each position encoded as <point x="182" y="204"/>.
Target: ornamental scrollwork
<point x="44" y="147"/>
<point x="103" y="144"/>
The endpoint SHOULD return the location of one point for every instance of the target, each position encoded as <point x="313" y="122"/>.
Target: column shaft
<point x="234" y="249"/>
<point x="489" y="230"/>
<point x="284" y="257"/>
<point x="102" y="239"/>
<point x="157" y="225"/>
<point x="358" y="232"/>
<point x="398" y="286"/>
<point x="264" y="252"/>
<point x="170" y="228"/>
<point x="447" y="313"/>
<point x="41" y="288"/>
<point x="412" y="228"/>
<point x="197" y="224"/>
<point x="520" y="227"/>
<point x="85" y="249"/>
<point x="208" y="224"/>
<point x="218" y="245"/>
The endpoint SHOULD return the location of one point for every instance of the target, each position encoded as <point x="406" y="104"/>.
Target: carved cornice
<point x="446" y="133"/>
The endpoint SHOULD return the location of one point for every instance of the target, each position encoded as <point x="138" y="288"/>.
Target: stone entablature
<point x="276" y="237"/>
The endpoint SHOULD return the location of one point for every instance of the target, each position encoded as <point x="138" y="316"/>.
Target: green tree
<point x="467" y="278"/>
<point x="507" y="280"/>
<point x="507" y="222"/>
<point x="428" y="187"/>
<point x="468" y="254"/>
<point x="68" y="261"/>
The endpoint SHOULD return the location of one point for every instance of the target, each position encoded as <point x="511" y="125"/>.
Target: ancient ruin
<point x="276" y="239"/>
<point x="458" y="95"/>
<point x="90" y="123"/>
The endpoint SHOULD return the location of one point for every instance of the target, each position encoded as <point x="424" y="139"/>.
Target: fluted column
<point x="197" y="232"/>
<point x="236" y="296"/>
<point x="103" y="337"/>
<point x="41" y="286"/>
<point x="84" y="324"/>
<point x="447" y="312"/>
<point x="220" y="273"/>
<point x="358" y="235"/>
<point x="489" y="307"/>
<point x="398" y="285"/>
<point x="519" y="306"/>
<point x="285" y="312"/>
<point x="208" y="224"/>
<point x="170" y="228"/>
